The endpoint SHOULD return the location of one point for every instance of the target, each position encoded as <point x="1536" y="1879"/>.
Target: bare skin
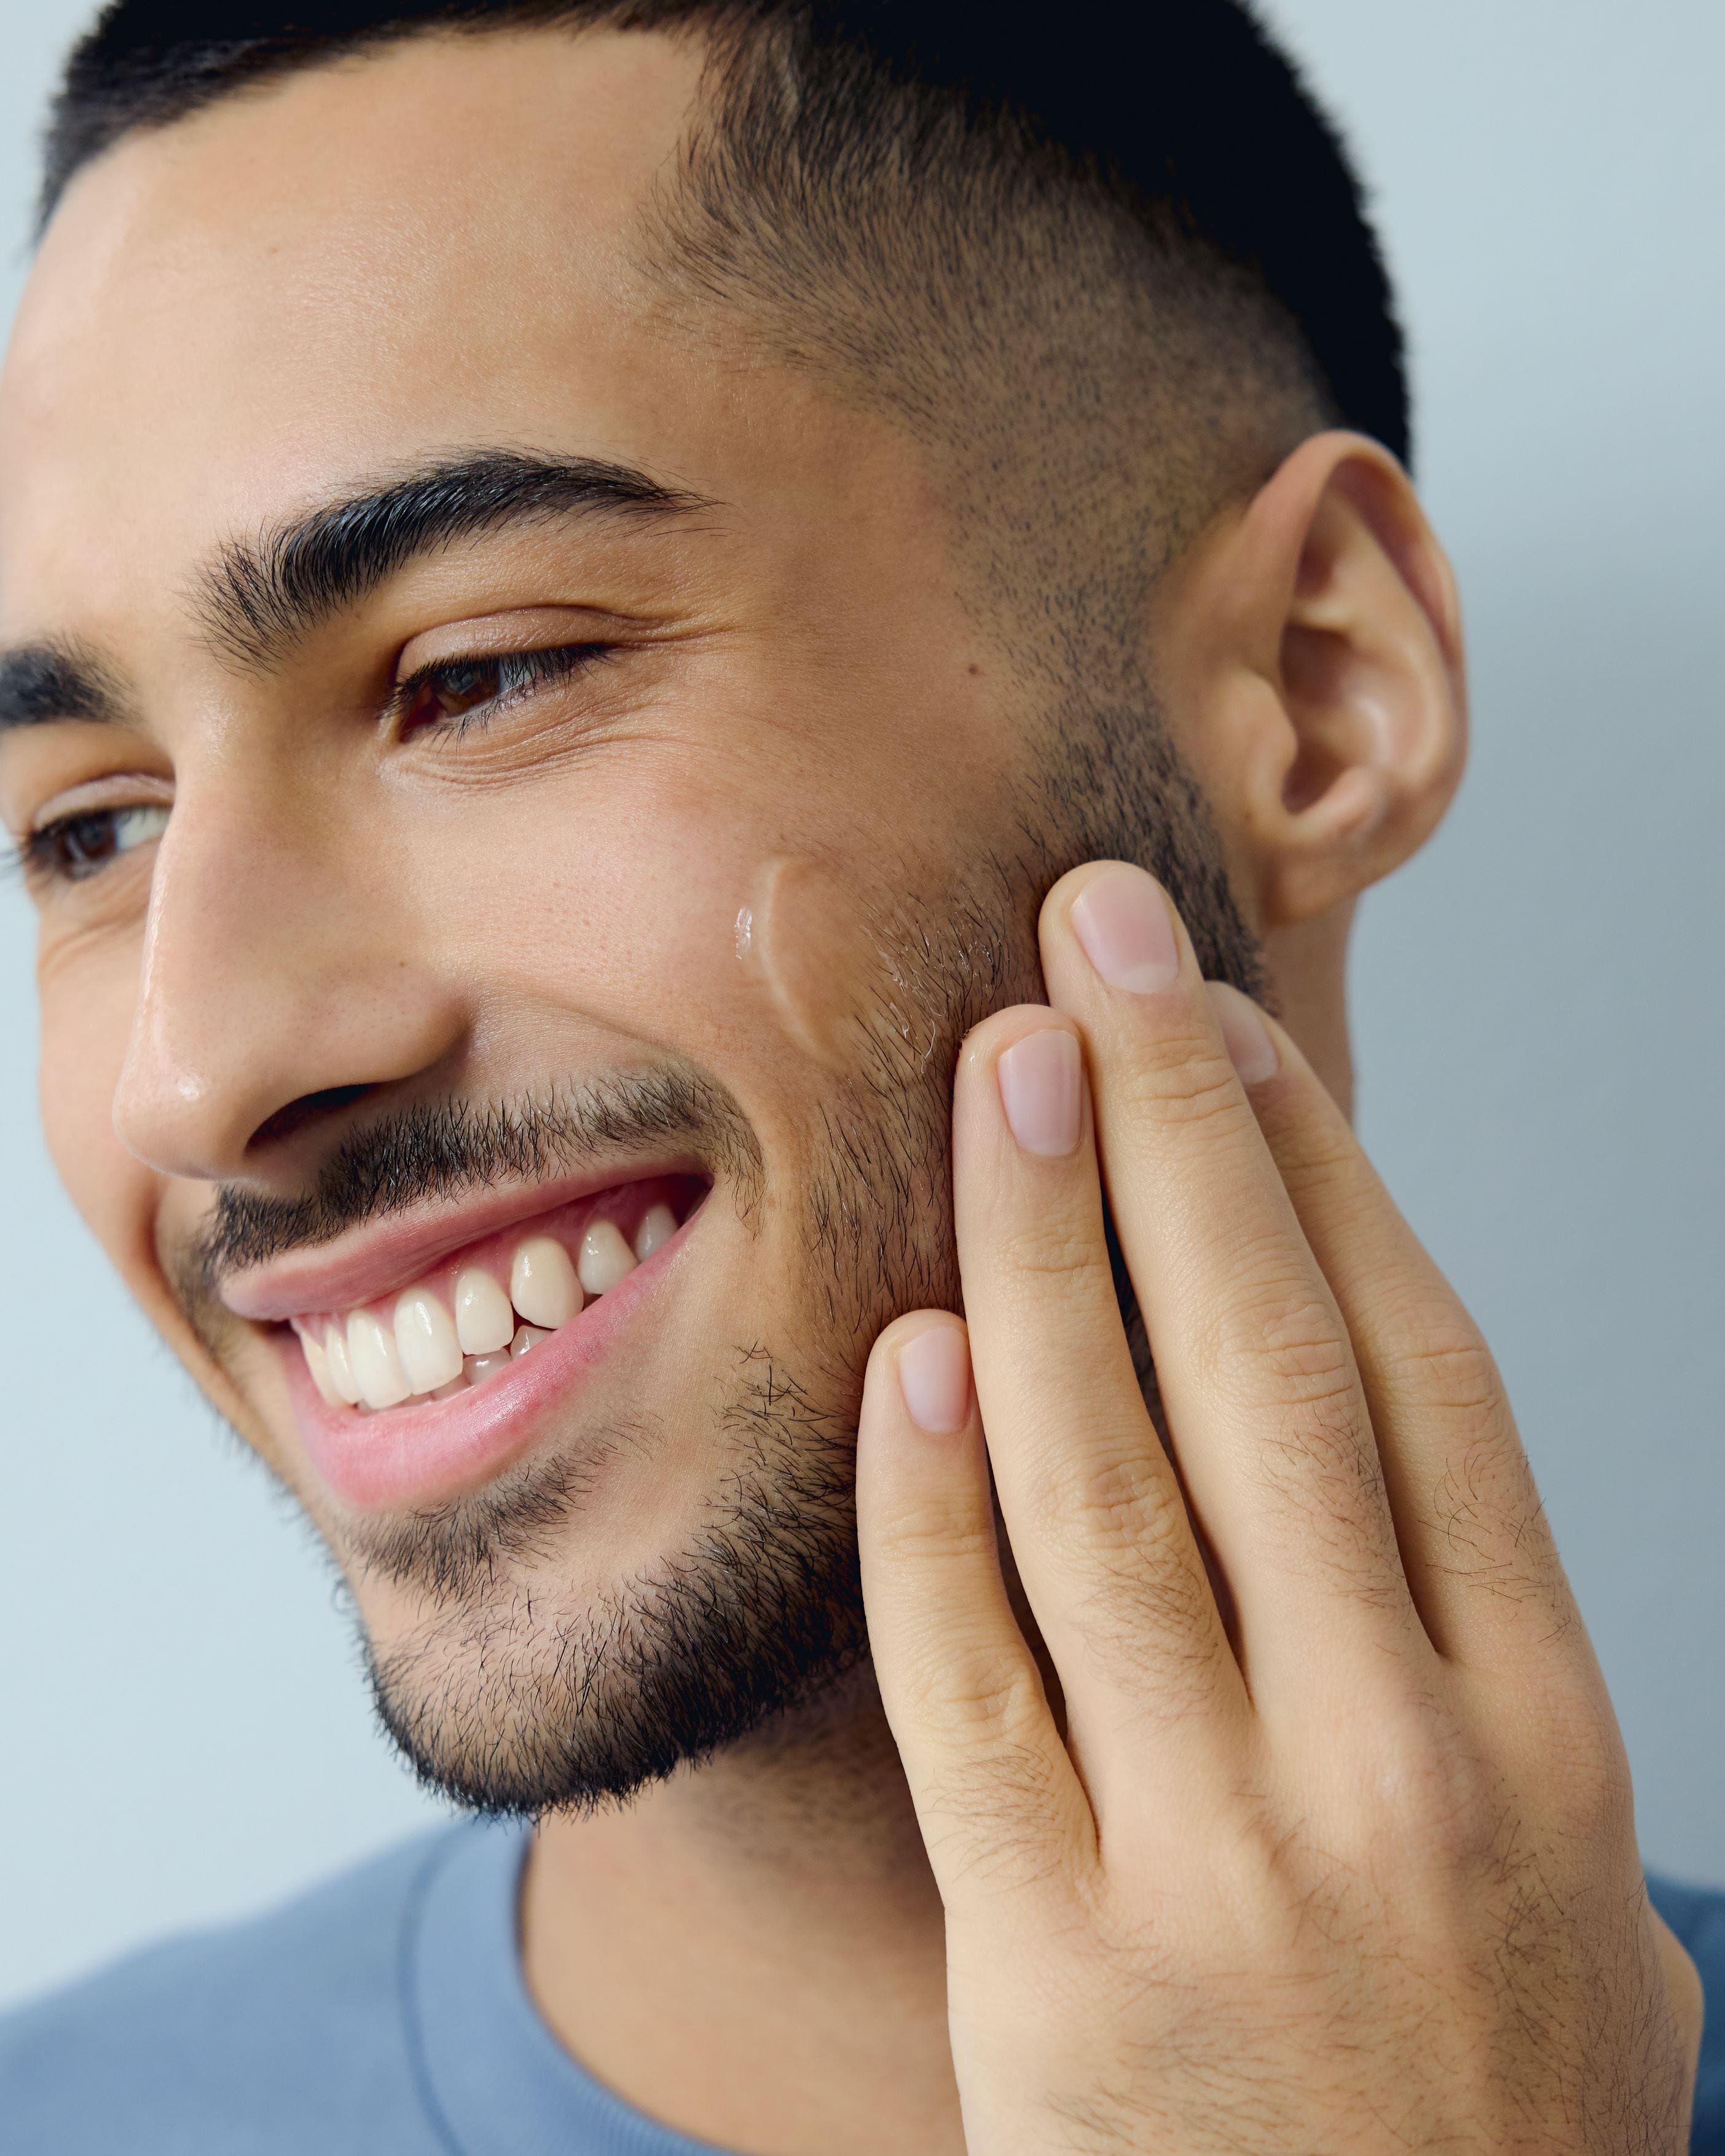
<point x="311" y="291"/>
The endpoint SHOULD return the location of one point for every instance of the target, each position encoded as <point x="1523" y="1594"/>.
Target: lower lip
<point x="424" y="1453"/>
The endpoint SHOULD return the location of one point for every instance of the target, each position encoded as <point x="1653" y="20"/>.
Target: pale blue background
<point x="184" y="1732"/>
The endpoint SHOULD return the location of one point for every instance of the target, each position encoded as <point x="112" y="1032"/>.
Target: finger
<point x="1480" y="1561"/>
<point x="1100" y="1534"/>
<point x="1264" y="1401"/>
<point x="999" y="1806"/>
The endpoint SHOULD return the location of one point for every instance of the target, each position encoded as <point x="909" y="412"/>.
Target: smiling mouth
<point x="482" y="1308"/>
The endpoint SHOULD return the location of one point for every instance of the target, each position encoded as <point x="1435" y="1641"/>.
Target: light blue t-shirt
<point x="384" y="2015"/>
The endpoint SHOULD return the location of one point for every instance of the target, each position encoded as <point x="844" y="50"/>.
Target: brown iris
<point x="452" y="692"/>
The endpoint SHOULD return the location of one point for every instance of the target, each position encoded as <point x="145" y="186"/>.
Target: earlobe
<point x="1337" y="724"/>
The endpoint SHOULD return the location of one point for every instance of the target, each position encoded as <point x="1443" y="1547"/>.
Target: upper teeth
<point x="659" y="1226"/>
<point x="379" y="1363"/>
<point x="605" y="1258"/>
<point x="425" y="1338"/>
<point x="484" y="1320"/>
<point x="378" y="1360"/>
<point x="542" y="1284"/>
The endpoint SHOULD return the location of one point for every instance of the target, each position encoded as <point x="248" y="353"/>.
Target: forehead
<point x="425" y="248"/>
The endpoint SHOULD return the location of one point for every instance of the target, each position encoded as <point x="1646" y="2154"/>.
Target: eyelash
<point x="520" y="675"/>
<point x="45" y="856"/>
<point x="48" y="855"/>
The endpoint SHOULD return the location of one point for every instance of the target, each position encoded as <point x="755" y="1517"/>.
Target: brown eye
<point x="464" y="692"/>
<point x="452" y="692"/>
<point x="75" y="847"/>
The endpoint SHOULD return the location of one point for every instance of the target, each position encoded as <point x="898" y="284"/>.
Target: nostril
<point x="309" y="1108"/>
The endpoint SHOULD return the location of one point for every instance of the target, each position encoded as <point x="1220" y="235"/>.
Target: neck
<point x="754" y="1951"/>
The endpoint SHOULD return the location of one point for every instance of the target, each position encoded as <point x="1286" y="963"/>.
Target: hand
<point x="1336" y="1853"/>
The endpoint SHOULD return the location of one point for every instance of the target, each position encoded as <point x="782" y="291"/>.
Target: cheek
<point x="616" y="904"/>
<point x="87" y="1001"/>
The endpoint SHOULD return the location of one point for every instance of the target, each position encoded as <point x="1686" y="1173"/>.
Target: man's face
<point x="443" y="952"/>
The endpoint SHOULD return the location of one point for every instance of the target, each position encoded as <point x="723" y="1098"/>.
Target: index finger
<point x="1265" y="1403"/>
<point x="1104" y="1550"/>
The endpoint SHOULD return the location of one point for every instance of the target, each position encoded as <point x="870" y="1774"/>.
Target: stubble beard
<point x="510" y="1698"/>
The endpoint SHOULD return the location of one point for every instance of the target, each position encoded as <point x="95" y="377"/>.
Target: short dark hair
<point x="1185" y="107"/>
<point x="1105" y="262"/>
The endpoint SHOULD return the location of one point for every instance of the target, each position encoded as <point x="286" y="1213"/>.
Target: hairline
<point x="579" y="18"/>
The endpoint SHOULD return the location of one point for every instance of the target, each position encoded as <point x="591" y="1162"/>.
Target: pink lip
<point x="374" y="1262"/>
<point x="426" y="1451"/>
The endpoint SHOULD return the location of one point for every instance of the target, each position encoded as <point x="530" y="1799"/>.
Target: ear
<point x="1312" y="650"/>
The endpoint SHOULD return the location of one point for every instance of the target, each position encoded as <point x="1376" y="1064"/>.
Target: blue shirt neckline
<point x="495" y="2080"/>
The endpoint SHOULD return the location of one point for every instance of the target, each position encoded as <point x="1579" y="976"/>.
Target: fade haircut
<point x="1110" y="256"/>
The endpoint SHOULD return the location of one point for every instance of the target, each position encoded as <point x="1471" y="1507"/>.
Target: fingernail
<point x="1041" y="1080"/>
<point x="1121" y="919"/>
<point x="934" y="1377"/>
<point x="1247" y="1038"/>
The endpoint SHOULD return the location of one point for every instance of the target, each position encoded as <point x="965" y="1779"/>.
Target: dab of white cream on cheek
<point x="795" y="939"/>
<point x="806" y="940"/>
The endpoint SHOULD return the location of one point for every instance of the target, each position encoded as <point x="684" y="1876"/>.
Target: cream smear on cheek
<point x="813" y="948"/>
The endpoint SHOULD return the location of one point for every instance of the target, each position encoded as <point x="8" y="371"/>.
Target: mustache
<point x="453" y="1148"/>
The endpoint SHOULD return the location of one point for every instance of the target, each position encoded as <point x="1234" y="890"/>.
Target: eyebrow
<point x="261" y="597"/>
<point x="45" y="682"/>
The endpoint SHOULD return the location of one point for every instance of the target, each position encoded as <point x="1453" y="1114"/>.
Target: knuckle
<point x="1436" y="1345"/>
<point x="934" y="1530"/>
<point x="1279" y="1352"/>
<point x="1429" y="1797"/>
<point x="986" y="1698"/>
<point x="1053" y="1250"/>
<point x="1118" y="1495"/>
<point x="1430" y="1793"/>
<point x="1412" y="1796"/>
<point x="1459" y="1375"/>
<point x="1284" y="1337"/>
<point x="1140" y="1584"/>
<point x="1319" y="1155"/>
<point x="1184" y="1079"/>
<point x="1582" y="1767"/>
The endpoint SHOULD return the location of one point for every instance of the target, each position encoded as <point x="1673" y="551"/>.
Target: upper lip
<point x="366" y="1264"/>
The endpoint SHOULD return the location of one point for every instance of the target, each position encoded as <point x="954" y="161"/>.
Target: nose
<point x="282" y="979"/>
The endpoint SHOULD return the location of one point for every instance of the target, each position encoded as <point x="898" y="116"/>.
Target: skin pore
<point x="302" y="296"/>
